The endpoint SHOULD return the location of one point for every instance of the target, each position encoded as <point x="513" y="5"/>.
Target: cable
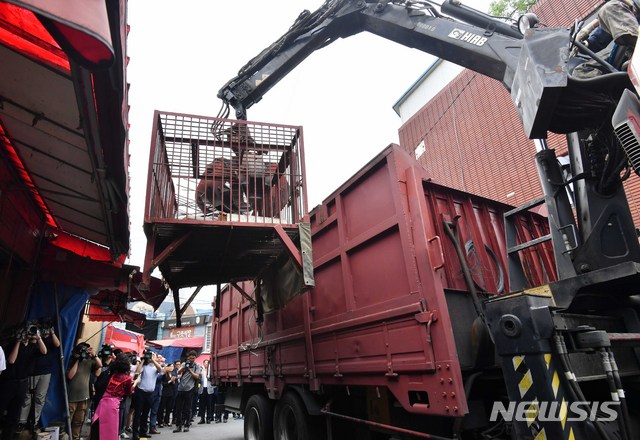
<point x="451" y="230"/>
<point x="615" y="162"/>
<point x="103" y="327"/>
<point x="574" y="390"/>
<point x="258" y="337"/>
<point x="621" y="395"/>
<point x="608" y="371"/>
<point x="424" y="5"/>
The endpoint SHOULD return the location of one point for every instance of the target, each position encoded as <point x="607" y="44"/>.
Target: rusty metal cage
<point x="226" y="201"/>
<point x="211" y="169"/>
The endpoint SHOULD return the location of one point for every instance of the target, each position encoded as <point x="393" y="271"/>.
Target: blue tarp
<point x="71" y="301"/>
<point x="171" y="354"/>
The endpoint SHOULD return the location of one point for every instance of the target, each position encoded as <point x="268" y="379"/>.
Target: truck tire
<point x="258" y="418"/>
<point x="291" y="421"/>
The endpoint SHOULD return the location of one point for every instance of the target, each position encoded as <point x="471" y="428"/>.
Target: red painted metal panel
<point x="378" y="315"/>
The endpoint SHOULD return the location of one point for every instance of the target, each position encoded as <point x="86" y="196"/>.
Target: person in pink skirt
<point x="104" y="425"/>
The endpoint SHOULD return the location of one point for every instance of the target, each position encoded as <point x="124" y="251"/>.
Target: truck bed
<point x="390" y="307"/>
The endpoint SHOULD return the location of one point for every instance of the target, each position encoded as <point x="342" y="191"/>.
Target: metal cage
<point x="226" y="199"/>
<point x="211" y="169"/>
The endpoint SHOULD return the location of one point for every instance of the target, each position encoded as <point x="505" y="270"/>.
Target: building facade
<point x="469" y="136"/>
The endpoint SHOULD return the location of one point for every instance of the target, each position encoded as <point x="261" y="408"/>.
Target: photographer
<point x="148" y="371"/>
<point x="38" y="383"/>
<point x="27" y="344"/>
<point x="83" y="364"/>
<point x="107" y="355"/>
<point x="157" y="396"/>
<point x="177" y="365"/>
<point x="188" y="376"/>
<point x="167" y="399"/>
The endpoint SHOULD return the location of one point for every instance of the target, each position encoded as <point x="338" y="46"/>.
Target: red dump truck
<point x="397" y="308"/>
<point x="389" y="332"/>
<point x="366" y="312"/>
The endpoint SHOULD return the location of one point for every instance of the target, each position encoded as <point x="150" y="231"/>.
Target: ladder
<point x="523" y="232"/>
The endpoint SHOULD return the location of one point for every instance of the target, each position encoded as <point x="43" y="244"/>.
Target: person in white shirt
<point x="148" y="369"/>
<point x="205" y="395"/>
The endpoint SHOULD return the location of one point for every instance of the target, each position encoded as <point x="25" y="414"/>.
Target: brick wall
<point x="473" y="136"/>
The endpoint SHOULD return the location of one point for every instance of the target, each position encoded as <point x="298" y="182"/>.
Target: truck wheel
<point x="291" y="421"/>
<point x="258" y="418"/>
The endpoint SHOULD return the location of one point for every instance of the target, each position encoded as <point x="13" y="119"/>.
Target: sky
<point x="182" y="53"/>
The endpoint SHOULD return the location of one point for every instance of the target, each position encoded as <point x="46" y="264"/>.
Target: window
<point x="420" y="149"/>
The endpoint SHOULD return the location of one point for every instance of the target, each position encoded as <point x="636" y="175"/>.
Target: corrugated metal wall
<point x="473" y="136"/>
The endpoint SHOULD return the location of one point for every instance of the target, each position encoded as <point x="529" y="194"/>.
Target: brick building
<point x="473" y="138"/>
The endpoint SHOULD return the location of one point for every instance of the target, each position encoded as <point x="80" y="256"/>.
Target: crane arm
<point x="532" y="68"/>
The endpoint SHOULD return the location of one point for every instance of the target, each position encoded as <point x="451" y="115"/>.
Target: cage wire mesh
<point x="214" y="169"/>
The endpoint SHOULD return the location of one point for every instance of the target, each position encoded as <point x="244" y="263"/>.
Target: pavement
<point x="232" y="430"/>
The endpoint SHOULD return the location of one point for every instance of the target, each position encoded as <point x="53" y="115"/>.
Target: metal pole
<point x="62" y="370"/>
<point x="326" y="412"/>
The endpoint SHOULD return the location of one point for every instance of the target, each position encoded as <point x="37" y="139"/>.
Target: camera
<point x="146" y="356"/>
<point x="81" y="351"/>
<point x="46" y="326"/>
<point x="188" y="365"/>
<point x="106" y="351"/>
<point x="31" y="330"/>
<point x="84" y="352"/>
<point x="27" y="331"/>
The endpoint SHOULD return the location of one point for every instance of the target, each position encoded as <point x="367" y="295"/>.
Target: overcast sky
<point x="183" y="52"/>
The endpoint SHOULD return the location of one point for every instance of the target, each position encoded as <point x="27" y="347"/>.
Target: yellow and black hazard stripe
<point x="527" y="394"/>
<point x="538" y="385"/>
<point x="558" y="395"/>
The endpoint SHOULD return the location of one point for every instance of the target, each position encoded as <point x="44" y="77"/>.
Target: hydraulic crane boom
<point x="495" y="50"/>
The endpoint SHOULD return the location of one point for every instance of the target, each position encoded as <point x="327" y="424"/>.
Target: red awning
<point x="90" y="198"/>
<point x="111" y="304"/>
<point x="79" y="27"/>
<point x="76" y="262"/>
<point x="63" y="265"/>
<point x="154" y="296"/>
<point x="125" y="340"/>
<point x="195" y="342"/>
<point x="108" y="313"/>
<point x="132" y="291"/>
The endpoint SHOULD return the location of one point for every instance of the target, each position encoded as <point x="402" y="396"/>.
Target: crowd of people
<point x="121" y="394"/>
<point x="162" y="395"/>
